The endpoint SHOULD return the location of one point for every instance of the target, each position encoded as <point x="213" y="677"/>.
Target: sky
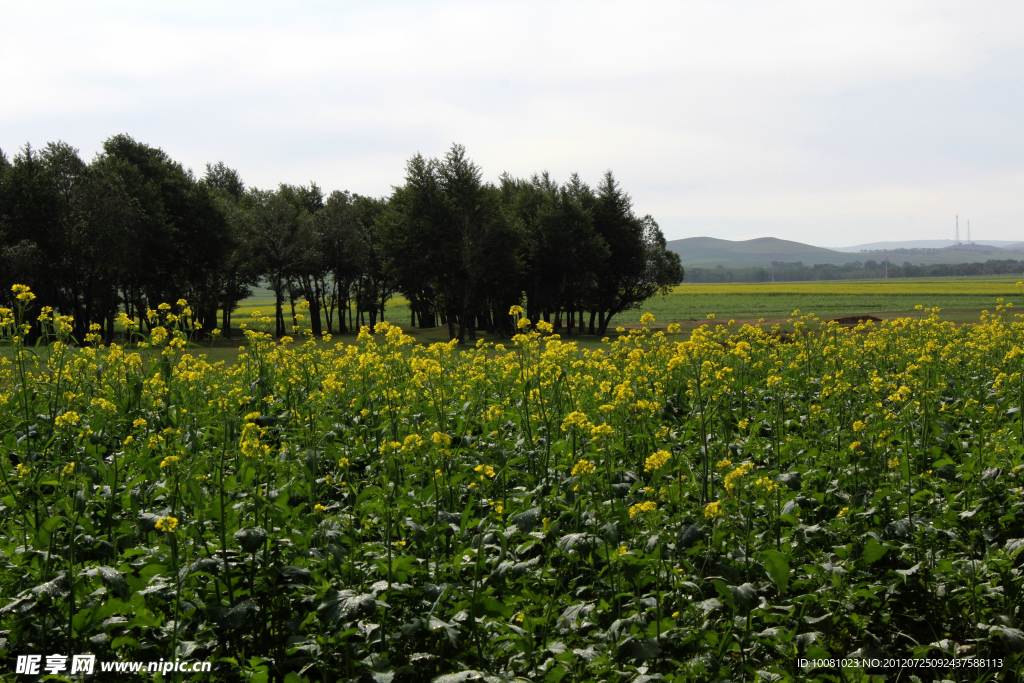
<point x="830" y="123"/>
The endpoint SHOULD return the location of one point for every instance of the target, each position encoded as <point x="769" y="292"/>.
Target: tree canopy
<point x="133" y="228"/>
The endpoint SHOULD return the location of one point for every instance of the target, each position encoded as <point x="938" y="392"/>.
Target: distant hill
<point x="711" y="252"/>
<point x="1017" y="246"/>
<point x="920" y="244"/>
<point x="979" y="247"/>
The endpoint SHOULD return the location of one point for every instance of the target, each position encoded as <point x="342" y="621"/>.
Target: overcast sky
<point x="827" y="123"/>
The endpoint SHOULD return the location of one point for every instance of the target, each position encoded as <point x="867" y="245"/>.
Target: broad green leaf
<point x="873" y="551"/>
<point x="777" y="566"/>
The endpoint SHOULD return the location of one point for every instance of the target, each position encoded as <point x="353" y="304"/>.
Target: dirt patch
<point x="855" y="319"/>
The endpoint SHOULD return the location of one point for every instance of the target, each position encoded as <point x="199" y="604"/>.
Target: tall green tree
<point x="340" y="242"/>
<point x="182" y="238"/>
<point x="274" y="233"/>
<point x="409" y="230"/>
<point x="220" y="177"/>
<point x="238" y="271"/>
<point x="639" y="266"/>
<point x="66" y="233"/>
<point x="449" y="236"/>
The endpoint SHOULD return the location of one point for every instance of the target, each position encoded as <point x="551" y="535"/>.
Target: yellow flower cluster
<point x="485" y="471"/>
<point x="657" y="460"/>
<point x="575" y="420"/>
<point x="732" y="480"/>
<point x="583" y="467"/>
<point x="23" y="293"/>
<point x="167" y="524"/>
<point x="766" y="484"/>
<point x="640" y="508"/>
<point x="68" y="419"/>
<point x="713" y="510"/>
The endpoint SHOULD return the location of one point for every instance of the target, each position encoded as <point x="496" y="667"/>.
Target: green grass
<point x="961" y="299"/>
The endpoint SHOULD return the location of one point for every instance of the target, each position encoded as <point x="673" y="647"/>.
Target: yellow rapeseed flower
<point x="656" y="461"/>
<point x="67" y="419"/>
<point x="640" y="508"/>
<point x="583" y="467"/>
<point x="167" y="524"/>
<point x="575" y="419"/>
<point x="485" y="471"/>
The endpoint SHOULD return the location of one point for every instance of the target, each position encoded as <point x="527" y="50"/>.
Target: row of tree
<point x="133" y="229"/>
<point x="869" y="270"/>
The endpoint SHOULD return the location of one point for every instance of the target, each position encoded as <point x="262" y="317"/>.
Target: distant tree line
<point x="132" y="229"/>
<point x="869" y="270"/>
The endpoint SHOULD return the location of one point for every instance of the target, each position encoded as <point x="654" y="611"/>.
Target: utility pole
<point x="957" y="238"/>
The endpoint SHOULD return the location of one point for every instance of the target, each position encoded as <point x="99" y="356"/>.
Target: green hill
<point x="710" y="252"/>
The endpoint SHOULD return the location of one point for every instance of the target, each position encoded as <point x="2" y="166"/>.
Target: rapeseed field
<point x="739" y="504"/>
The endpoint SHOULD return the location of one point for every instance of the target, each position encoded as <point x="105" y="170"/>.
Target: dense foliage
<point x="133" y="229"/>
<point x="710" y="508"/>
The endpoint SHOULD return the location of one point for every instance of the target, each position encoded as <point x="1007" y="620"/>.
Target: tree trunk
<point x="108" y="338"/>
<point x="279" y="308"/>
<point x="314" y="317"/>
<point x="451" y="324"/>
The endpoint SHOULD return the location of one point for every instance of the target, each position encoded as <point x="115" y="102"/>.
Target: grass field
<point x="961" y="300"/>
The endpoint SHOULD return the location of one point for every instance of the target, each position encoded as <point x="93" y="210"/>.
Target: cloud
<point x="723" y="118"/>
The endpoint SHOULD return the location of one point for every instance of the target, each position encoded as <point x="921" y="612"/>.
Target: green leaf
<point x="777" y="566"/>
<point x="744" y="596"/>
<point x="496" y="608"/>
<point x="250" y="538"/>
<point x="124" y="641"/>
<point x="527" y="520"/>
<point x="1012" y="638"/>
<point x="112" y="579"/>
<point x="641" y="650"/>
<point x="873" y="551"/>
<point x="460" y="677"/>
